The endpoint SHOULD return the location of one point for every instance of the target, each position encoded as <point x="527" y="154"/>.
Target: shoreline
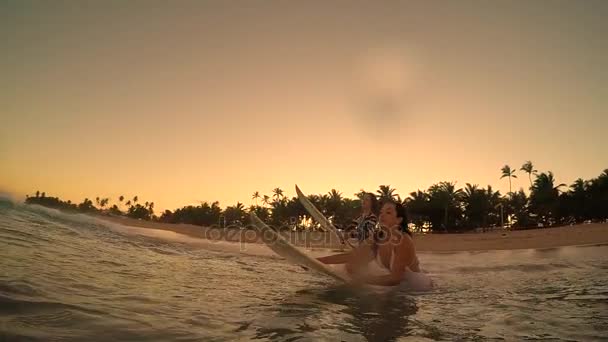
<point x="543" y="238"/>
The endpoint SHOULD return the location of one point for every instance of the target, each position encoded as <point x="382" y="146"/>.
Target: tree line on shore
<point x="443" y="207"/>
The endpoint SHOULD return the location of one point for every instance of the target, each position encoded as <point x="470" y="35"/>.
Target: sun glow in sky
<point x="179" y="102"/>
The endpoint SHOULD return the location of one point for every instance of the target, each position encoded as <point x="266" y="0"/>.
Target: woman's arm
<point x="360" y="257"/>
<point x="352" y="259"/>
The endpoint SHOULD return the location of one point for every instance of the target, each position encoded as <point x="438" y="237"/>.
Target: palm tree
<point x="469" y="190"/>
<point x="453" y="196"/>
<point x="322" y="201"/>
<point x="448" y="196"/>
<point x="578" y="186"/>
<point x="316" y="201"/>
<point x="494" y="201"/>
<point x="494" y="196"/>
<point x="128" y="204"/>
<point x="528" y="168"/>
<point x="333" y="202"/>
<point x="475" y="205"/>
<point x="97" y="201"/>
<point x="417" y="196"/>
<point x="545" y="180"/>
<point x="577" y="199"/>
<point x="479" y="205"/>
<point x="255" y="197"/>
<point x="518" y="206"/>
<point x="86" y="205"/>
<point x="266" y="200"/>
<point x="544" y="195"/>
<point x="278" y="193"/>
<point x="598" y="197"/>
<point x="360" y="194"/>
<point x="508" y="172"/>
<point x="261" y="212"/>
<point x="235" y="215"/>
<point x="37" y="193"/>
<point x="386" y="193"/>
<point x="121" y="198"/>
<point x="335" y="195"/>
<point x="418" y="206"/>
<point x="280" y="212"/>
<point x="135" y="199"/>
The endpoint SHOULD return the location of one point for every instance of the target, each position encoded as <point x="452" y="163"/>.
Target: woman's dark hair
<point x="375" y="203"/>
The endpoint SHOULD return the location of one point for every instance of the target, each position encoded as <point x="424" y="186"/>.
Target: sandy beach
<point x="584" y="234"/>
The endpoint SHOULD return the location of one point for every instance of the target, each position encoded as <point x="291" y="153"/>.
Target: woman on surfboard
<point x="390" y="252"/>
<point x="364" y="226"/>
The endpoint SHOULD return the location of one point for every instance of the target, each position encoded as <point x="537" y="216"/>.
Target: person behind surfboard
<point x="391" y="250"/>
<point x="364" y="226"/>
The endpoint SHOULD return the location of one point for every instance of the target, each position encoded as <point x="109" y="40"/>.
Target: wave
<point x="12" y="305"/>
<point x="18" y="288"/>
<point x="6" y="203"/>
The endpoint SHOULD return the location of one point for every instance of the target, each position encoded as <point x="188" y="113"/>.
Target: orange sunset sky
<point x="183" y="101"/>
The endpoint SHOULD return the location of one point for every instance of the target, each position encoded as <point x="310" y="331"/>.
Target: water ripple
<point x="69" y="277"/>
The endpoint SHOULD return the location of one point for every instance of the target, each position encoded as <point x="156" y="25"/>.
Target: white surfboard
<point x="318" y="216"/>
<point x="282" y="247"/>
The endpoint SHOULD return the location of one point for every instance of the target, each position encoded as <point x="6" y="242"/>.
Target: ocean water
<point x="75" y="278"/>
